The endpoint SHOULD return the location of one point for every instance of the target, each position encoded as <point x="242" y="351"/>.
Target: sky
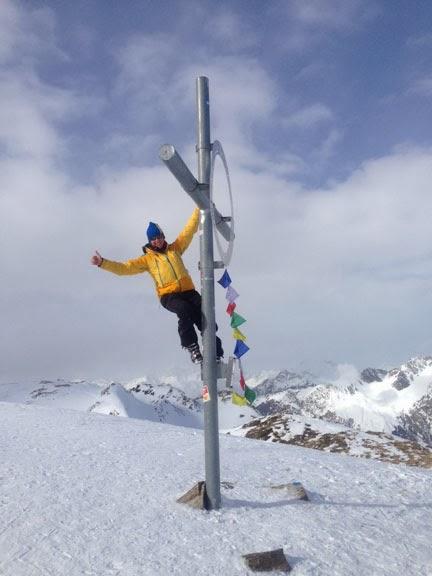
<point x="323" y="108"/>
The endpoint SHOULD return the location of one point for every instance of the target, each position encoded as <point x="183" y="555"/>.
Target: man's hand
<point x="96" y="259"/>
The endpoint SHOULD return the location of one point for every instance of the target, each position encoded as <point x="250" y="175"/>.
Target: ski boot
<point x="195" y="353"/>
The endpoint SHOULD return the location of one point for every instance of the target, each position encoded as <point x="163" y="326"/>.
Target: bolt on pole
<point x="209" y="369"/>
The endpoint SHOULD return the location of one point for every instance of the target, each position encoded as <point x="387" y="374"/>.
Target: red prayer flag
<point x="242" y="381"/>
<point x="230" y="308"/>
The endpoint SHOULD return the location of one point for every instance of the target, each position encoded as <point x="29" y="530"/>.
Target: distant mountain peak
<point x="405" y="374"/>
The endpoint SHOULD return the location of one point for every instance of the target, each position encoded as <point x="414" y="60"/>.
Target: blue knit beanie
<point x="153" y="231"/>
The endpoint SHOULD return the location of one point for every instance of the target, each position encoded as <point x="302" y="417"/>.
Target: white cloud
<point x="229" y="30"/>
<point x="26" y="33"/>
<point x="422" y="86"/>
<point x="29" y="111"/>
<point x="8" y="28"/>
<point x="328" y="147"/>
<point x="309" y="116"/>
<point x="144" y="60"/>
<point x="337" y="14"/>
<point x="420" y="41"/>
<point x="159" y="82"/>
<point x="342" y="273"/>
<point x="321" y="273"/>
<point x="308" y="24"/>
<point x="30" y="108"/>
<point x="243" y="94"/>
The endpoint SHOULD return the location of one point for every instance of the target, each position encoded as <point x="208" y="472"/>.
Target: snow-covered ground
<point x="90" y="494"/>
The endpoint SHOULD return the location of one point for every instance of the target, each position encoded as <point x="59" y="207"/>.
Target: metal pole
<point x="209" y="370"/>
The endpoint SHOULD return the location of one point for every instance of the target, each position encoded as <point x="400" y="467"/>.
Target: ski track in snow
<point x="87" y="494"/>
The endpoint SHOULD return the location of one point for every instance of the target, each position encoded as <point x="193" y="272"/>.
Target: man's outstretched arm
<point x="133" y="266"/>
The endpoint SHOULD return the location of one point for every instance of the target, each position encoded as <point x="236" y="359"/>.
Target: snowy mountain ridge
<point x="352" y="412"/>
<point x="373" y="400"/>
<point x="155" y="399"/>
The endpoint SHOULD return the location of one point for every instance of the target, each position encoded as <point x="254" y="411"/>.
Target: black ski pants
<point x="187" y="306"/>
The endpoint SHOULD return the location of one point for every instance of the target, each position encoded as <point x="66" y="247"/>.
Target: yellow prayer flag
<point x="237" y="399"/>
<point x="238" y="335"/>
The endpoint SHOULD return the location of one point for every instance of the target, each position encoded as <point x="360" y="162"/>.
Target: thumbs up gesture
<point x="96" y="259"/>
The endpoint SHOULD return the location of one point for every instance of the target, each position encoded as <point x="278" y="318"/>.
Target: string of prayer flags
<point x="241" y="393"/>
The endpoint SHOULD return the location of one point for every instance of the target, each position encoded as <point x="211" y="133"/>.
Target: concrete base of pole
<point x="196" y="497"/>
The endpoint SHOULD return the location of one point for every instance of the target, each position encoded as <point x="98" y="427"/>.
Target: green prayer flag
<point x="250" y="395"/>
<point x="237" y="320"/>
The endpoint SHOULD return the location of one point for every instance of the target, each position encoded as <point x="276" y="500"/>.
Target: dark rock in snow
<point x="267" y="561"/>
<point x="369" y="375"/>
<point x="402" y="381"/>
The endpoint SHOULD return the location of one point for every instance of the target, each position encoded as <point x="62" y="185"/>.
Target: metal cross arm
<point x="175" y="164"/>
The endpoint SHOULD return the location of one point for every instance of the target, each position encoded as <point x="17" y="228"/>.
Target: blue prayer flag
<point x="240" y="348"/>
<point x="225" y="281"/>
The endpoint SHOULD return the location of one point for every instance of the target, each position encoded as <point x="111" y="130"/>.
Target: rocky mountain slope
<point x="394" y="402"/>
<point x="329" y="437"/>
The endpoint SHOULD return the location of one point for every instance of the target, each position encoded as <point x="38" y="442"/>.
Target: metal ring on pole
<point x="225" y="255"/>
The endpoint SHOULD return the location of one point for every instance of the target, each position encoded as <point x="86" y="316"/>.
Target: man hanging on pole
<point x="174" y="286"/>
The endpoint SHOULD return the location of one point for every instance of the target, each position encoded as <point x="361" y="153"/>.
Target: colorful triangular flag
<point x="231" y="294"/>
<point x="250" y="395"/>
<point x="240" y="348"/>
<point x="238" y="335"/>
<point x="225" y="280"/>
<point x="230" y="308"/>
<point x="242" y="380"/>
<point x="237" y="320"/>
<point x="238" y="399"/>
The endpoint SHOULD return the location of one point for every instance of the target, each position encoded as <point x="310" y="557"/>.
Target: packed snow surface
<point x="91" y="494"/>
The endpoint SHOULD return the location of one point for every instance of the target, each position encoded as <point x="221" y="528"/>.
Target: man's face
<point x="158" y="242"/>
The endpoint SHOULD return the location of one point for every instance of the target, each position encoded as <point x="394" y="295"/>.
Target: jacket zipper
<point x="172" y="267"/>
<point x="160" y="277"/>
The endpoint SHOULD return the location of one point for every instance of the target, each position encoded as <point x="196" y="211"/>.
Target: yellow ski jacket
<point x="166" y="267"/>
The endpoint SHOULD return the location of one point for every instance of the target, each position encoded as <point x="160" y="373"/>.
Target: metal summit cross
<point x="199" y="191"/>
